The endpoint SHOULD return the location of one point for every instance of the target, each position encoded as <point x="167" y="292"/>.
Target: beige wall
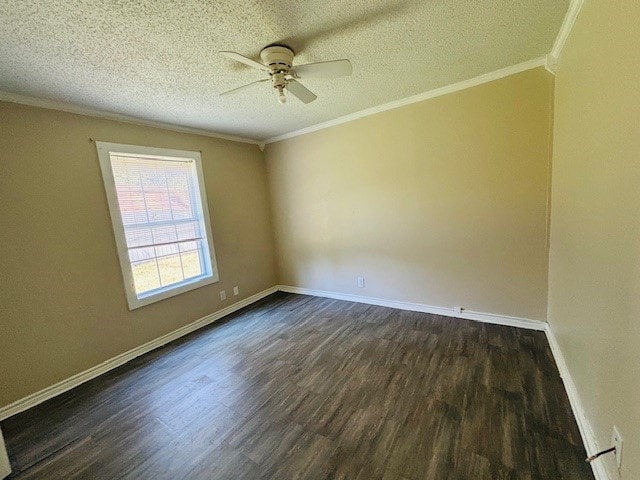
<point x="63" y="306"/>
<point x="442" y="202"/>
<point x="594" y="268"/>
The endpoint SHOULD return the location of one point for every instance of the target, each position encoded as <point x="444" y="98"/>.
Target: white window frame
<point x="105" y="150"/>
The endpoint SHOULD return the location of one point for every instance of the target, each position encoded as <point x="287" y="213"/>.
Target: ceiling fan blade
<point x="246" y="60"/>
<point x="330" y="69"/>
<point x="300" y="91"/>
<point x="235" y="90"/>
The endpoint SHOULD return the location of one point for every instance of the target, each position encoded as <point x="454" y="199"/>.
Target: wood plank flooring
<point x="309" y="388"/>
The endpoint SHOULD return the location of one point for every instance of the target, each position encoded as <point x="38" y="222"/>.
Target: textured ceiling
<point x="157" y="60"/>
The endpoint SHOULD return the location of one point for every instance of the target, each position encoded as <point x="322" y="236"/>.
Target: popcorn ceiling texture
<point x="158" y="60"/>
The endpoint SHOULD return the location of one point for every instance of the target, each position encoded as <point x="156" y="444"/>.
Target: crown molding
<point x="565" y="30"/>
<point x="438" y="92"/>
<point x="551" y="64"/>
<point x="89" y="112"/>
<point x="545" y="61"/>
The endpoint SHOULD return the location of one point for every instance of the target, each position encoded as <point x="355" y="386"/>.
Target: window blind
<point x="159" y="204"/>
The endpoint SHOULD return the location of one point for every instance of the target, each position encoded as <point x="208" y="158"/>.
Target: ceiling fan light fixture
<point x="281" y="97"/>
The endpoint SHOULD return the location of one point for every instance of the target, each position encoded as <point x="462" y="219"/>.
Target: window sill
<point x="170" y="291"/>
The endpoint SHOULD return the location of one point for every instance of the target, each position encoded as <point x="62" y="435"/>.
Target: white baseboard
<point x="586" y="432"/>
<point x="82" y="377"/>
<point x="420" y="307"/>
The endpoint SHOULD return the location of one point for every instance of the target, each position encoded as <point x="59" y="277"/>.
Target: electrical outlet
<point x="235" y="290"/>
<point x="616" y="441"/>
<point x="223" y="295"/>
<point x="360" y="282"/>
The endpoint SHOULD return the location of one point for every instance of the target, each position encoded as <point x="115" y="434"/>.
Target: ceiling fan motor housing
<point x="277" y="60"/>
<point x="277" y="57"/>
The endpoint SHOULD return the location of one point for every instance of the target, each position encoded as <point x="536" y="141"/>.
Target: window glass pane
<point x="138" y="236"/>
<point x="179" y="188"/>
<point x="145" y="276"/>
<point x="187" y="246"/>
<point x="132" y="205"/>
<point x="164" y="234"/>
<point x="170" y="268"/>
<point x="188" y="231"/>
<point x="140" y="254"/>
<point x="175" y="262"/>
<point x="191" y="263"/>
<point x="164" y="250"/>
<point x="157" y="200"/>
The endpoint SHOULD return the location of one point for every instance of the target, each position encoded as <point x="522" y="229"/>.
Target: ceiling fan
<point x="277" y="61"/>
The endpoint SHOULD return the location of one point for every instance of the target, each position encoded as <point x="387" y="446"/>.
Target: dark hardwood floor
<point x="310" y="388"/>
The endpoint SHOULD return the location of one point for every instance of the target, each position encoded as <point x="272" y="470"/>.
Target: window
<point x="160" y="219"/>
